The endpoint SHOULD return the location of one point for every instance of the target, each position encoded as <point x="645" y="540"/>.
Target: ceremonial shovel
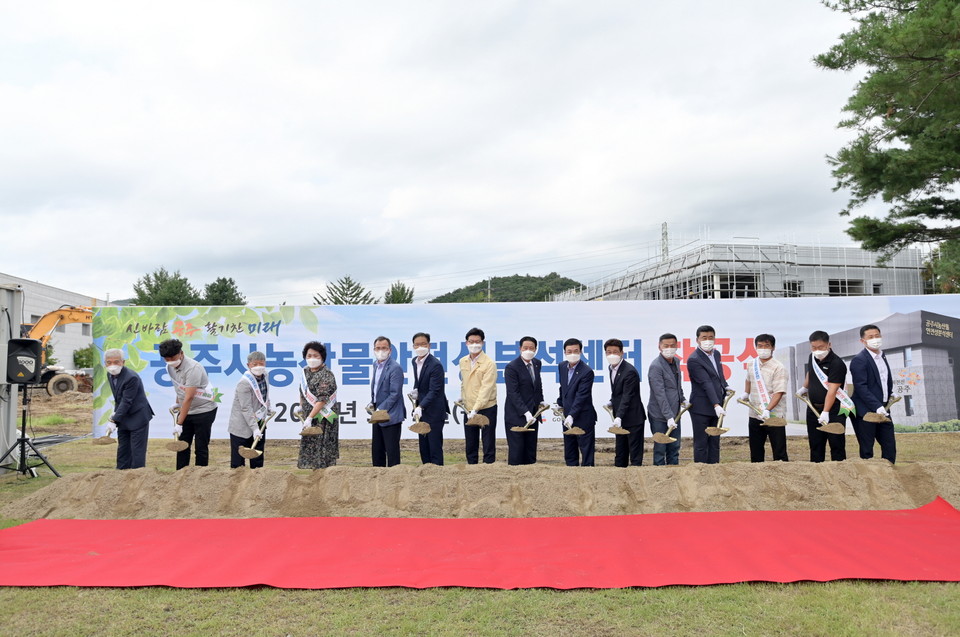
<point x="418" y="426"/>
<point x="720" y="429"/>
<point x="306" y="430"/>
<point x="177" y="444"/>
<point x="572" y="431"/>
<point x="250" y="452"/>
<point x="772" y="421"/>
<point x="666" y="438"/>
<point x="872" y="416"/>
<point x="478" y="420"/>
<point x="830" y="427"/>
<point x="536" y="416"/>
<point x="105" y="440"/>
<point x="614" y="430"/>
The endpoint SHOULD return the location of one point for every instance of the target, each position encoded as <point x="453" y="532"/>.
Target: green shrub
<point x="85" y="357"/>
<point x="949" y="425"/>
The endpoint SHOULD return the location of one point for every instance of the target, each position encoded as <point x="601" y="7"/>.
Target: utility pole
<point x="488" y="288"/>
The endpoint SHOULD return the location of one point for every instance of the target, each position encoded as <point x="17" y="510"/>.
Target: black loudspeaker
<point x="23" y="360"/>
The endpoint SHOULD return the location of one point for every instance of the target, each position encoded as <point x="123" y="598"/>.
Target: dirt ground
<point x="91" y="489"/>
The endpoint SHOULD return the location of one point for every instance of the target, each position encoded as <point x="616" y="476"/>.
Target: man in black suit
<point x="576" y="398"/>
<point x="524" y="395"/>
<point x="708" y="387"/>
<point x="431" y="398"/>
<point x="131" y="412"/>
<point x="872" y="388"/>
<point x="627" y="405"/>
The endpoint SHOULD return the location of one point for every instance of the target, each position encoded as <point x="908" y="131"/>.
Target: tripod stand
<point x="22" y="444"/>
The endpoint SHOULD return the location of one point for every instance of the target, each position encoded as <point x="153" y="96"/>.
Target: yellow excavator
<point x="52" y="378"/>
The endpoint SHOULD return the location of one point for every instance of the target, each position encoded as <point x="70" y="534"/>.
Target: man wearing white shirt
<point x="872" y="388"/>
<point x="767" y="394"/>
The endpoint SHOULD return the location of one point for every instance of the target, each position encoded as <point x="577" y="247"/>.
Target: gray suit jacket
<point x="666" y="393"/>
<point x="243" y="413"/>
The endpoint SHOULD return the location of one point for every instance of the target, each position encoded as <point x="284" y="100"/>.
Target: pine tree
<point x="344" y="291"/>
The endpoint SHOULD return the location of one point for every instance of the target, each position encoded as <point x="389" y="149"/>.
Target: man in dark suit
<point x="386" y="393"/>
<point x="524" y="395"/>
<point x="627" y="405"/>
<point x="431" y="398"/>
<point x="707" y="392"/>
<point x="131" y="412"/>
<point x="872" y="388"/>
<point x="576" y="398"/>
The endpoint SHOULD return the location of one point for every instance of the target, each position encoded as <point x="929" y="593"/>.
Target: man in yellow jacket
<point x="478" y="376"/>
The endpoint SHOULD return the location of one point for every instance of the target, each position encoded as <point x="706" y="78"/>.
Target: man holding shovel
<point x="766" y="386"/>
<point x="251" y="403"/>
<point x="131" y="412"/>
<point x="431" y="399"/>
<point x="873" y="387"/>
<point x="386" y="396"/>
<point x="524" y="396"/>
<point x="576" y="399"/>
<point x="195" y="400"/>
<point x="626" y="404"/>
<point x="478" y="386"/>
<point x="708" y="385"/>
<point x="666" y="397"/>
<point x="826" y="374"/>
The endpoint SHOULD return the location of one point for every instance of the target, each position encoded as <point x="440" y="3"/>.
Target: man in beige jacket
<point x="478" y="375"/>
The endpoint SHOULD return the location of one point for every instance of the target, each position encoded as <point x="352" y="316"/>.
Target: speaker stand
<point x="23" y="442"/>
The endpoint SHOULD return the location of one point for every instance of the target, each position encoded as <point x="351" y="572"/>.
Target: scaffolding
<point x="713" y="270"/>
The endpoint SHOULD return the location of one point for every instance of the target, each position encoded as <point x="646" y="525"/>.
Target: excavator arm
<point x="42" y="330"/>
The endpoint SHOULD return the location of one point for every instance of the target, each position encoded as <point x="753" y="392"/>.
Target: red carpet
<point x="579" y="552"/>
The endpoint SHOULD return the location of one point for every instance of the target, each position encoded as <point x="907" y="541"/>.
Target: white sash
<point x="264" y="404"/>
<point x="325" y="412"/>
<point x="846" y="405"/>
<point x="203" y="392"/>
<point x="761" y="386"/>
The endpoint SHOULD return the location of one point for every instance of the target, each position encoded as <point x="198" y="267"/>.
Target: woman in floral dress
<point x="318" y="388"/>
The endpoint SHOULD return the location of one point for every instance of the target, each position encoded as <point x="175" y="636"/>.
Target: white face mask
<point x="668" y="352"/>
<point x="528" y="354"/>
<point x="821" y="354"/>
<point x="381" y="354"/>
<point x="874" y="343"/>
<point x="706" y="346"/>
<point x="113" y="370"/>
<point x="420" y="352"/>
<point x="258" y="371"/>
<point x="614" y="359"/>
<point x="314" y="363"/>
<point x="474" y="348"/>
<point x="175" y="364"/>
<point x="573" y="359"/>
<point x="764" y="354"/>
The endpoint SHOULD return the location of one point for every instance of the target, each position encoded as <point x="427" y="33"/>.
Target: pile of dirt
<point x="464" y="491"/>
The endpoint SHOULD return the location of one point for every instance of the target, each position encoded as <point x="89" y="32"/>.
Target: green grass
<point x="51" y="420"/>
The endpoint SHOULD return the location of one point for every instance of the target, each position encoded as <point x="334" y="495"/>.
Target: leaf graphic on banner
<point x="287" y="313"/>
<point x="104" y="418"/>
<point x="134" y="359"/>
<point x="309" y="320"/>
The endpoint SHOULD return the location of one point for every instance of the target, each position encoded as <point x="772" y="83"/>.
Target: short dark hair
<point x="573" y="341"/>
<point x="667" y="337"/>
<point x="765" y="338"/>
<point x="475" y="331"/>
<point x="863" y="330"/>
<point x="613" y="342"/>
<point x="316" y="346"/>
<point x="419" y="334"/>
<point x="382" y="338"/>
<point x="170" y="347"/>
<point x="820" y="335"/>
<point x="528" y="338"/>
<point x="705" y="328"/>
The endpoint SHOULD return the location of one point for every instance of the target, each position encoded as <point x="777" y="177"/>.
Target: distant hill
<point x="518" y="287"/>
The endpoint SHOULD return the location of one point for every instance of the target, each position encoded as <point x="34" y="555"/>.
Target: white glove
<point x="417" y="413"/>
<point x="568" y="422"/>
<point x="256" y="437"/>
<point x="616" y="422"/>
<point x="609" y="404"/>
<point x="177" y="429"/>
<point x="765" y="414"/>
<point x="527" y="416"/>
<point x="745" y="396"/>
<point x="671" y="424"/>
<point x="471" y="414"/>
<point x="803" y="391"/>
<point x="882" y="411"/>
<point x="415" y="393"/>
<point x="719" y="411"/>
<point x="110" y="429"/>
<point x="824" y="418"/>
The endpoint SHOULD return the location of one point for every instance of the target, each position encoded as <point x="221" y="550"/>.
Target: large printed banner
<point x="920" y="340"/>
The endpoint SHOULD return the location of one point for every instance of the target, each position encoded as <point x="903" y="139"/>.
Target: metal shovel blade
<point x="521" y="429"/>
<point x="717" y="431"/>
<point x="249" y="453"/>
<point x="775" y="421"/>
<point x="420" y="427"/>
<point x="620" y="431"/>
<point x="478" y="420"/>
<point x="663" y="438"/>
<point x="311" y="431"/>
<point x="104" y="440"/>
<point x="574" y="431"/>
<point x="379" y="416"/>
<point x="177" y="445"/>
<point x="873" y="416"/>
<point x="832" y="428"/>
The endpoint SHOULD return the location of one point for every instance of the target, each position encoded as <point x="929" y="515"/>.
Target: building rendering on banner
<point x="38" y="299"/>
<point x="712" y="270"/>
<point x="923" y="351"/>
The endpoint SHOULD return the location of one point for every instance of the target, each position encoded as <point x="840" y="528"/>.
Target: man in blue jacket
<point x="872" y="388"/>
<point x="386" y="394"/>
<point x="708" y="387"/>
<point x="131" y="412"/>
<point x="576" y="398"/>
<point x="524" y="395"/>
<point x="431" y="398"/>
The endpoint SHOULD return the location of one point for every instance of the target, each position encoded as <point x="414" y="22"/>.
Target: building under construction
<point x="713" y="270"/>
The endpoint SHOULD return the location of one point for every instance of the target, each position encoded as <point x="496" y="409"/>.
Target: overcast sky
<point x="286" y="144"/>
